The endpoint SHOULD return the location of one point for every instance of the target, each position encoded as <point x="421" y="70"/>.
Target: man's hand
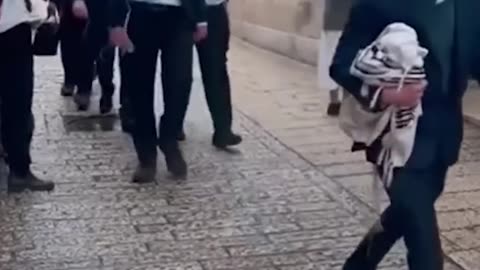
<point x="200" y="33"/>
<point x="119" y="38"/>
<point x="409" y="96"/>
<point x="79" y="9"/>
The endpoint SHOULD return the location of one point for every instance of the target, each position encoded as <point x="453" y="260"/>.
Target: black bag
<point x="45" y="42"/>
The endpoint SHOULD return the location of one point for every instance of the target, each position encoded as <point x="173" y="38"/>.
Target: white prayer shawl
<point x="396" y="127"/>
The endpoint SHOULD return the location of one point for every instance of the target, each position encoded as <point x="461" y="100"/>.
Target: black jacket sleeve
<point x="117" y="12"/>
<point x="196" y="11"/>
<point x="364" y="24"/>
<point x="200" y="10"/>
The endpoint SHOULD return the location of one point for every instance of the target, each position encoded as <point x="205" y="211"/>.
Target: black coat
<point x="440" y="129"/>
<point x="196" y="11"/>
<point x="107" y="13"/>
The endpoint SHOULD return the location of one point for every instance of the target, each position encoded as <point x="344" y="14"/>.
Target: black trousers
<point x="99" y="55"/>
<point x="212" y="53"/>
<point x="105" y="68"/>
<point x="123" y="86"/>
<point x="411" y="215"/>
<point x="72" y="45"/>
<point x="82" y="46"/>
<point x="16" y="93"/>
<point x="155" y="28"/>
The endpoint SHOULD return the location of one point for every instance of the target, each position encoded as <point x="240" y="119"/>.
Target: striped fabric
<point x="28" y="4"/>
<point x="161" y="2"/>
<point x="395" y="58"/>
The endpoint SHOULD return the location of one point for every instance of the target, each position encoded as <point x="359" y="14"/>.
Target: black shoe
<point x="106" y="104"/>
<point x="67" y="90"/>
<point x="334" y="109"/>
<point x="127" y="120"/>
<point x="82" y="100"/>
<point x="31" y="182"/>
<point x="373" y="248"/>
<point x="145" y="174"/>
<point x="173" y="157"/>
<point x="225" y="140"/>
<point x="181" y="137"/>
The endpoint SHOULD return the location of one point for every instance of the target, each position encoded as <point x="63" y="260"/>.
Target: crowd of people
<point x="89" y="32"/>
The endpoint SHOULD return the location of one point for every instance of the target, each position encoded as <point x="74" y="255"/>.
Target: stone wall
<point x="288" y="27"/>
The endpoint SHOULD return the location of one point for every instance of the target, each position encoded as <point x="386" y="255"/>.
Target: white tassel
<point x="377" y="191"/>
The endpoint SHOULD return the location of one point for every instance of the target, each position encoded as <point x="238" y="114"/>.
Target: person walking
<point x="72" y="45"/>
<point x="169" y="26"/>
<point x="212" y="53"/>
<point x="448" y="29"/>
<point x="99" y="56"/>
<point x="16" y="94"/>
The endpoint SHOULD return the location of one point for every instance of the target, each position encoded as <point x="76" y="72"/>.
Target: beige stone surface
<point x="281" y="95"/>
<point x="469" y="259"/>
<point x="471" y="103"/>
<point x="289" y="27"/>
<point x="302" y="17"/>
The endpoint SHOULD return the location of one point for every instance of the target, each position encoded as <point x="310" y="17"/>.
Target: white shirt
<point x="214" y="2"/>
<point x="176" y="3"/>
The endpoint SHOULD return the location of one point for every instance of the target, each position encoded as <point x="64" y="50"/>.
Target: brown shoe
<point x="334" y="109"/>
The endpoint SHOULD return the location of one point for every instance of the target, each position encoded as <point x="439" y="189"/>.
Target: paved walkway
<point x="292" y="198"/>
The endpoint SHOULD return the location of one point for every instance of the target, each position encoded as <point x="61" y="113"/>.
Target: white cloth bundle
<point x="395" y="57"/>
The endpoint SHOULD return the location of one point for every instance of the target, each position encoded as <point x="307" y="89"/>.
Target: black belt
<point x="152" y="7"/>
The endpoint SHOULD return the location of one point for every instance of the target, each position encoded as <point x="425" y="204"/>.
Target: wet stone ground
<point x="263" y="207"/>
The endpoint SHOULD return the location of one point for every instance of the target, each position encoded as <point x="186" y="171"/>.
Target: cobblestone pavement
<point x="291" y="198"/>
